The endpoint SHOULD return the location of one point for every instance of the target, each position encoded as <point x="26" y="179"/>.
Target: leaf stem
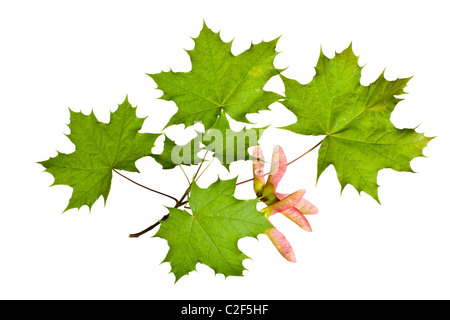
<point x="155" y="191"/>
<point x="318" y="144"/>
<point x="304" y="154"/>
<point x="178" y="204"/>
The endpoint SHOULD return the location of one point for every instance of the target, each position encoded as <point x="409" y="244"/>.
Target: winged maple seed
<point x="293" y="205"/>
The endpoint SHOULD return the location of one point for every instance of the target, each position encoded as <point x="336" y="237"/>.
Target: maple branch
<point x="161" y="193"/>
<point x="304" y="154"/>
<point x="178" y="204"/>
<point x="185" y="175"/>
<point x="182" y="202"/>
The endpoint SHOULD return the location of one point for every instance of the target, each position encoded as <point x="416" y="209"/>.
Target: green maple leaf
<point x="210" y="234"/>
<point x="229" y="145"/>
<point x="99" y="148"/>
<point x="359" y="139"/>
<point x="220" y="81"/>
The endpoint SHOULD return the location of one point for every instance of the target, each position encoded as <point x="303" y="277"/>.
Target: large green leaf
<point x="359" y="139"/>
<point x="220" y="81"/>
<point x="99" y="148"/>
<point x="210" y="234"/>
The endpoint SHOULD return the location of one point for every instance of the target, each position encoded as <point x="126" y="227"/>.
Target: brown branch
<point x="155" y="191"/>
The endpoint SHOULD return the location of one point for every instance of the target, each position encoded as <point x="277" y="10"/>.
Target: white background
<point x="90" y="54"/>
